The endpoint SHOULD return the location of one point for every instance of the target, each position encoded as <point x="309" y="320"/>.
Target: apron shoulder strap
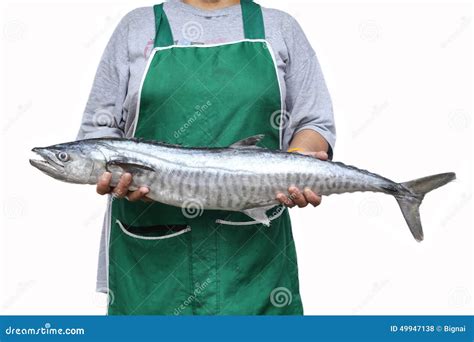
<point x="252" y="19"/>
<point x="251" y="16"/>
<point x="163" y="35"/>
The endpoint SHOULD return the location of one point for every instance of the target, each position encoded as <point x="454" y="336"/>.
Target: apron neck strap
<point x="251" y="16"/>
<point x="163" y="36"/>
<point x="252" y="19"/>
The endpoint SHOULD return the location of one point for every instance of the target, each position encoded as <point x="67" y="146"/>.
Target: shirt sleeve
<point x="102" y="116"/>
<point x="308" y="102"/>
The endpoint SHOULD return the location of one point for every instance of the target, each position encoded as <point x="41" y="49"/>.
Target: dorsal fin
<point x="248" y="142"/>
<point x="154" y="142"/>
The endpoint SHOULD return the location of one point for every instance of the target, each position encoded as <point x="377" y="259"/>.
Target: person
<point x="205" y="73"/>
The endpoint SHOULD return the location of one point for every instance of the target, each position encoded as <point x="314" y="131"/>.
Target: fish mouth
<point x="47" y="164"/>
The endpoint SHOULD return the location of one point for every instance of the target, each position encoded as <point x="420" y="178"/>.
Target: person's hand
<point x="302" y="198"/>
<point x="121" y="190"/>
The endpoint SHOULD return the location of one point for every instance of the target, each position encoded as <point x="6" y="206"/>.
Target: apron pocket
<point x="149" y="267"/>
<point x="155" y="232"/>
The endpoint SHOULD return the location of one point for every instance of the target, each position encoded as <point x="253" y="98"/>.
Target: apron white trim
<point x="135" y="236"/>
<point x="160" y="48"/>
<point x="108" y="226"/>
<point x="282" y="102"/>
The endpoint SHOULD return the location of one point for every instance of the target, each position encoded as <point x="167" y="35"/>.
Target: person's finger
<point x="121" y="189"/>
<point x="137" y="194"/>
<point x="323" y="155"/>
<point x="285" y="200"/>
<point x="311" y="197"/>
<point x="297" y="197"/>
<point x="320" y="155"/>
<point x="103" y="185"/>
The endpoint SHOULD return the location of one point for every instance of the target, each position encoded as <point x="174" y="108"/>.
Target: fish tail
<point x="412" y="195"/>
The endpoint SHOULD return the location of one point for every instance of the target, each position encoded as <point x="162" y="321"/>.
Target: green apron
<point x="163" y="260"/>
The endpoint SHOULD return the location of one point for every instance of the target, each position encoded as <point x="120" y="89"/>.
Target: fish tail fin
<point x="409" y="201"/>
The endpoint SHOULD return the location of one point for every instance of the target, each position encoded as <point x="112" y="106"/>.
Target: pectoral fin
<point x="121" y="166"/>
<point x="259" y="215"/>
<point x="142" y="175"/>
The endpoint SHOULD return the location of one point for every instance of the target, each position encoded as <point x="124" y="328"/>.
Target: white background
<point x="400" y="75"/>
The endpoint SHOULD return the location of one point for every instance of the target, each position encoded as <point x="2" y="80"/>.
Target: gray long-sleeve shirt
<point x="111" y="108"/>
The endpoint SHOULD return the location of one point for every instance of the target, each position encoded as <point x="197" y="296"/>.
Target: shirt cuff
<point x="103" y="132"/>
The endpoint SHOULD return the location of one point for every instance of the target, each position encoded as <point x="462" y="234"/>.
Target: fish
<point x="242" y="177"/>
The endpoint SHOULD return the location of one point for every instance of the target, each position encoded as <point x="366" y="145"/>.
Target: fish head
<point x="77" y="162"/>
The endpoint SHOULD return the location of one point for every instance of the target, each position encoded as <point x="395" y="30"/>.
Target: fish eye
<point x="63" y="156"/>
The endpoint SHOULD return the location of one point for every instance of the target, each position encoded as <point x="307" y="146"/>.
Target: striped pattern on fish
<point x="241" y="177"/>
